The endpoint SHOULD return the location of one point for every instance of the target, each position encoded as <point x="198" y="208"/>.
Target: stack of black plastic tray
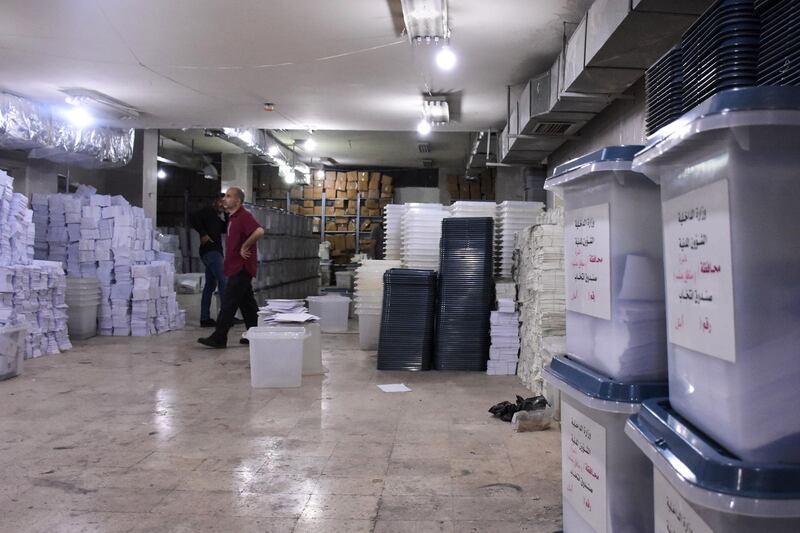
<point x="664" y="86"/>
<point x="407" y="319"/>
<point x="779" y="54"/>
<point x="465" y="294"/>
<point x="720" y="51"/>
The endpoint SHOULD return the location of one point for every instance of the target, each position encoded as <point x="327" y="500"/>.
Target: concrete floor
<point x="163" y="435"/>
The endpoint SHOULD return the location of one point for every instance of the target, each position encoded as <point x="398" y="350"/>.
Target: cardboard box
<point x="341" y="242"/>
<point x="352" y="195"/>
<point x="330" y="226"/>
<point x="386" y="180"/>
<point x="364" y="211"/>
<point x="366" y="226"/>
<point x="341" y="227"/>
<point x="374" y="181"/>
<point x="386" y="195"/>
<point x="372" y="203"/>
<point x="339" y="212"/>
<point x="297" y="193"/>
<point x="373" y="194"/>
<point x="308" y="203"/>
<point x="317" y="193"/>
<point x="374" y="212"/>
<point x="330" y="175"/>
<point x="331" y="239"/>
<point x="475" y="190"/>
<point x="350" y="242"/>
<point x="363" y="181"/>
<point x="296" y="209"/>
<point x="338" y="203"/>
<point x="341" y="181"/>
<point x="342" y="220"/>
<point x="318" y="210"/>
<point x="351" y="226"/>
<point x="308" y="211"/>
<point x="352" y="186"/>
<point x="352" y="210"/>
<point x="330" y="183"/>
<point x="387" y="189"/>
<point x="385" y="202"/>
<point x="352" y="176"/>
<point x="330" y="211"/>
<point x="341" y="195"/>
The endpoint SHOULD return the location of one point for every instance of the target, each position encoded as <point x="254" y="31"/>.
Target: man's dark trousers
<point x="238" y="295"/>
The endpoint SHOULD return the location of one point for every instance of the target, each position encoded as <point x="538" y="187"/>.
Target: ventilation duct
<point x="25" y="125"/>
<point x="609" y="51"/>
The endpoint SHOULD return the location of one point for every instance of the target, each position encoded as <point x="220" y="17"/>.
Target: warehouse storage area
<point x="399" y="266"/>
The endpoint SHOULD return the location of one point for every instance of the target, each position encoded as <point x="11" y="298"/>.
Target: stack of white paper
<point x="104" y="237"/>
<point x="539" y="273"/>
<point x="31" y="292"/>
<point x="504" y="331"/>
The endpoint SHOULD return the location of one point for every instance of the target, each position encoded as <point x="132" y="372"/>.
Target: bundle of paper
<point x="104" y="237"/>
<point x="539" y="272"/>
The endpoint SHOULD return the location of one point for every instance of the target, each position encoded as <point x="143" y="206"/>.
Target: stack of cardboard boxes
<point x="341" y="190"/>
<point x="480" y="189"/>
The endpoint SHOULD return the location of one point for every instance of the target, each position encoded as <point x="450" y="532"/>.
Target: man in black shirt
<point x="211" y="223"/>
<point x="375" y="247"/>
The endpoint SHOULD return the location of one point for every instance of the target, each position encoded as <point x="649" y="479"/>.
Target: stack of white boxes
<point x="504" y="330"/>
<point x="104" y="237"/>
<point x="31" y="292"/>
<point x="539" y="272"/>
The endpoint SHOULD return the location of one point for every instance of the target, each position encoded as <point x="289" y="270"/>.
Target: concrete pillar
<point x="149" y="198"/>
<point x="237" y="171"/>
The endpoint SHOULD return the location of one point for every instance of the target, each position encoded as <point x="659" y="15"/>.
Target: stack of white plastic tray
<point x="511" y="218"/>
<point x="392" y="231"/>
<point x="473" y="209"/>
<point x="369" y="300"/>
<point x="422" y="230"/>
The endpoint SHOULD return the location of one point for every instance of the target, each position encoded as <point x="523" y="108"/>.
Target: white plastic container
<point x="333" y="310"/>
<point x="730" y="193"/>
<point x="276" y="356"/>
<point x="12" y="350"/>
<point x="606" y="482"/>
<point x="369" y="331"/>
<point x="312" y="345"/>
<point x="82" y="319"/>
<point x="344" y="279"/>
<point x="614" y="269"/>
<point x="700" y="488"/>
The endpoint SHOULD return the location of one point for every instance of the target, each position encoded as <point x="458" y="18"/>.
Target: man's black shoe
<point x="210" y="323"/>
<point x="211" y="342"/>
<point x="244" y="341"/>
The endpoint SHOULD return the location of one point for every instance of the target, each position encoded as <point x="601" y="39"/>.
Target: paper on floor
<point x="394" y="387"/>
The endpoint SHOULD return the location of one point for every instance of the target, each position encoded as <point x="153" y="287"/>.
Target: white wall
<point x="423" y="195"/>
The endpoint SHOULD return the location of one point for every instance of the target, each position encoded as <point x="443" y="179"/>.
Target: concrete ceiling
<point x="326" y="65"/>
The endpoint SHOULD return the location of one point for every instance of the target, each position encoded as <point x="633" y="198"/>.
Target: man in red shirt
<point x="239" y="267"/>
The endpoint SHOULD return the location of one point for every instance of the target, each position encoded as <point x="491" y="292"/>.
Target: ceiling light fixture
<point x="273" y="150"/>
<point x="310" y="145"/>
<point x="426" y="21"/>
<point x="287" y="172"/>
<point x="424" y="127"/>
<point x="436" y="110"/>
<point x="78" y="96"/>
<point x="161" y="174"/>
<point x="79" y="117"/>
<point x="320" y="174"/>
<point x="446" y="59"/>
